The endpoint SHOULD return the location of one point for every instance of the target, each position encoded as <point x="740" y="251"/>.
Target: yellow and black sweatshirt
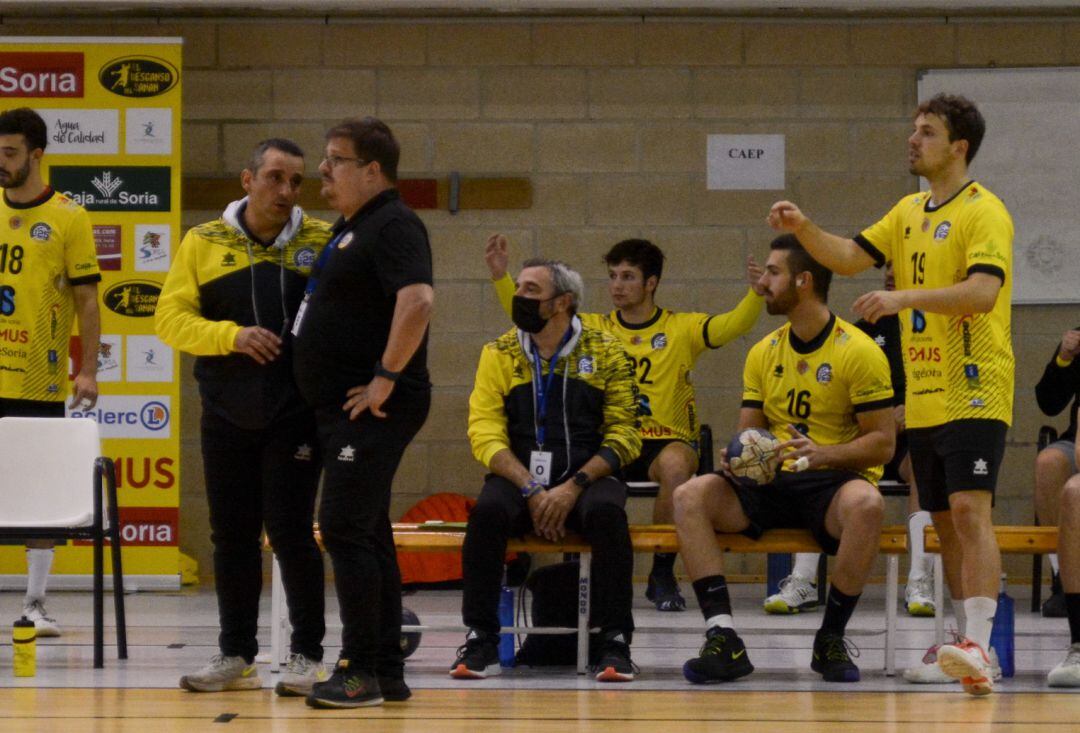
<point x="593" y="400"/>
<point x="222" y="280"/>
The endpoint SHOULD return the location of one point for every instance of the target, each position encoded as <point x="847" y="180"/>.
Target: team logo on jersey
<point x="926" y="224"/>
<point x="980" y="468"/>
<point x="347" y="454"/>
<point x="802" y="366"/>
<point x="974" y="194"/>
<point x="659" y="341"/>
<point x="635" y="340"/>
<point x="779" y="371"/>
<point x="15" y="222"/>
<point x="228" y="260"/>
<point x="907" y="232"/>
<point x="40" y="231"/>
<point x="824" y="373"/>
<point x="977" y="403"/>
<point x="345" y="241"/>
<point x="918" y="321"/>
<point x="304" y="453"/>
<point x="585" y="365"/>
<point x="942" y="231"/>
<point x="971" y="373"/>
<point x="304" y="257"/>
<point x="880" y="340"/>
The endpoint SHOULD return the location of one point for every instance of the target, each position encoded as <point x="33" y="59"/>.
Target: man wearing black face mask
<point x="552" y="415"/>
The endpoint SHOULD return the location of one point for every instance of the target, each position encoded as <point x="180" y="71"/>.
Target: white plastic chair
<point x="51" y="487"/>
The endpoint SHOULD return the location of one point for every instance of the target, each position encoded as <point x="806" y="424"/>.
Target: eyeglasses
<point x="335" y="160"/>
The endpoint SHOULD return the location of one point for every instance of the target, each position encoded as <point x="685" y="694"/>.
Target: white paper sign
<point x="82" y="131"/>
<point x="745" y="162"/>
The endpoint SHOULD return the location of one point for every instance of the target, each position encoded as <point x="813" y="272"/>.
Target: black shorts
<point x="30" y="408"/>
<point x="892" y="468"/>
<point x="794" y="501"/>
<point x="638" y="469"/>
<point x="958" y="456"/>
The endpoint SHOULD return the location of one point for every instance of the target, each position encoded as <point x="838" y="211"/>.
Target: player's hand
<point x="879" y="303"/>
<point x="754" y="271"/>
<point x="554" y="508"/>
<point x="722" y="461"/>
<point x="368" y="396"/>
<point x="496" y="255"/>
<point x="1070" y="345"/>
<point x="800" y="446"/>
<point x="260" y="344"/>
<point x="785" y="216"/>
<point x="84" y="392"/>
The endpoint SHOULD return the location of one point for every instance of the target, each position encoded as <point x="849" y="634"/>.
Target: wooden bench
<point x="1011" y="540"/>
<point x="644" y="539"/>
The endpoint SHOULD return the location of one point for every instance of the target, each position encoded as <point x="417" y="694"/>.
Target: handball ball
<point x="410" y="640"/>
<point x="753" y="457"/>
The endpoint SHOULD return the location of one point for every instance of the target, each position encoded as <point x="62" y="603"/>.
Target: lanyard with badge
<point x="341" y="239"/>
<point x="540" y="459"/>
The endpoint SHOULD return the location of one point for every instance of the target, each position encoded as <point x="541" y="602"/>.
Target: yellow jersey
<point x="663" y="351"/>
<point x="957" y="367"/>
<point x="46" y="247"/>
<point x="818" y="386"/>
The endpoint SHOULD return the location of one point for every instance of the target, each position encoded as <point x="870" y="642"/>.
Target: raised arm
<point x="842" y="256"/>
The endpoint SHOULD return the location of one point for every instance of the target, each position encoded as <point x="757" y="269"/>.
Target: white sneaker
<point x="967" y="662"/>
<point x="796" y="594"/>
<point x="919" y="596"/>
<point x="299" y="675"/>
<point x="44" y="624"/>
<point x="1066" y="674"/>
<point x="223" y="673"/>
<point x="930" y="672"/>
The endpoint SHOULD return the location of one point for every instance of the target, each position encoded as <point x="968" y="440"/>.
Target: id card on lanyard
<point x="339" y="241"/>
<point x="540" y="460"/>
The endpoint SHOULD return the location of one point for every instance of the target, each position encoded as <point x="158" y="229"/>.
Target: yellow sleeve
<point x="621" y="428"/>
<point x="753" y="390"/>
<point x="80" y="252"/>
<point x="504" y="291"/>
<point x="487" y="411"/>
<point x="869" y="380"/>
<point x="178" y="319"/>
<point x="880" y="239"/>
<point x="725" y="327"/>
<point x="989" y="235"/>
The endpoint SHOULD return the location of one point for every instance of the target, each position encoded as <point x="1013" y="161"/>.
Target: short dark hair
<point x="283" y="144"/>
<point x="28" y="123"/>
<point x="640" y="253"/>
<point x="799" y="260"/>
<point x="962" y="119"/>
<point x="372" y="140"/>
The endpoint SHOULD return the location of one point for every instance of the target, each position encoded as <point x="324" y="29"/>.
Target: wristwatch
<point x="582" y="479"/>
<point x="381" y="371"/>
<point x="531" y="489"/>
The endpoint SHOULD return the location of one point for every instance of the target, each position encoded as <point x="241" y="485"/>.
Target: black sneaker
<point x="722" y="658"/>
<point x="346" y="688"/>
<point x="1054" y="606"/>
<point x="478" y="657"/>
<point x="394" y="689"/>
<point x="832" y="657"/>
<point x="613" y="660"/>
<point x="664" y="592"/>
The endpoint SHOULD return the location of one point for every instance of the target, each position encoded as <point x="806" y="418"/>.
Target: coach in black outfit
<point x="361" y="361"/>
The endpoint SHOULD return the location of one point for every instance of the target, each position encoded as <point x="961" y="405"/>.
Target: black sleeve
<point x="870" y="249"/>
<point x="889" y="329"/>
<point x="403" y="255"/>
<point x="1058" y="386"/>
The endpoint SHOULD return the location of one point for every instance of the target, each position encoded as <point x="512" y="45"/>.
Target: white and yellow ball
<point x="753" y="457"/>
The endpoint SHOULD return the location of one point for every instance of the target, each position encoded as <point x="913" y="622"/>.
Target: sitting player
<point x="823" y="386"/>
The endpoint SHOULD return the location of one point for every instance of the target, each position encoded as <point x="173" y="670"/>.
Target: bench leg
<point x="892" y="579"/>
<point x="278" y="615"/>
<point x="584" y="588"/>
<point x="939" y="600"/>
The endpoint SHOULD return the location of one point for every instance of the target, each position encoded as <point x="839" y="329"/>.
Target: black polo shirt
<point x="345" y="327"/>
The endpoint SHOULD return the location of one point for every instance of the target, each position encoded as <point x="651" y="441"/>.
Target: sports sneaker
<point x="919" y="596"/>
<point x="394" y="689"/>
<point x="1054" y="606"/>
<point x="832" y="657"/>
<point x="966" y="661"/>
<point x="930" y="673"/>
<point x="796" y="594"/>
<point x="478" y="657"/>
<point x="223" y="673"/>
<point x="613" y="662"/>
<point x="664" y="592"/>
<point x="299" y="675"/>
<point x="44" y="624"/>
<point x="1066" y="674"/>
<point x="346" y="688"/>
<point x="722" y="658"/>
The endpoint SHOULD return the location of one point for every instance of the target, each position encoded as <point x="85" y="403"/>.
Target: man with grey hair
<point x="553" y="417"/>
<point x="229" y="298"/>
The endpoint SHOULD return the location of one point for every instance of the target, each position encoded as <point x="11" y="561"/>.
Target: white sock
<point x="1054" y="563"/>
<point x="921" y="563"/>
<point x="723" y="620"/>
<point x="38" y="566"/>
<point x="980" y="619"/>
<point x="806" y="564"/>
<point x="961" y="615"/>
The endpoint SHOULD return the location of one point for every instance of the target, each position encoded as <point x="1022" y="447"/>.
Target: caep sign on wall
<point x="745" y="162"/>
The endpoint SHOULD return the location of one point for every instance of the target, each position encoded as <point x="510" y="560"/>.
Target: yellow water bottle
<point x="24" y="642"/>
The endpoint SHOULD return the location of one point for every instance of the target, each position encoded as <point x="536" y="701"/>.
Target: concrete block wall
<point x="608" y="119"/>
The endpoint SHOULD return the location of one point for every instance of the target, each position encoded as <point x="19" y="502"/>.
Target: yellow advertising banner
<point x="112" y="106"/>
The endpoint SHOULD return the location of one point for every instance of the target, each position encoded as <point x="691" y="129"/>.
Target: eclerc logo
<point x="130" y="416"/>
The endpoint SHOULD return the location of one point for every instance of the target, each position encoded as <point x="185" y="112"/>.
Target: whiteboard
<point x="1030" y="158"/>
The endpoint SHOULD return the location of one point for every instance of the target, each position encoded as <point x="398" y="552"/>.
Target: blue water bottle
<point x="506" y="620"/>
<point x="1002" y="638"/>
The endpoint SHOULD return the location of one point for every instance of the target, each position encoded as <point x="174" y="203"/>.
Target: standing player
<point x="663" y="346"/>
<point x="48" y="276"/>
<point x="952" y="250"/>
<point x="823" y="386"/>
